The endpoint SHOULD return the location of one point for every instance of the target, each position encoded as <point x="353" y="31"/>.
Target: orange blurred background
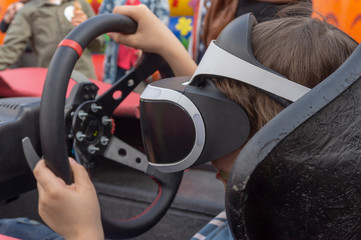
<point x="345" y="14"/>
<point x="3" y="6"/>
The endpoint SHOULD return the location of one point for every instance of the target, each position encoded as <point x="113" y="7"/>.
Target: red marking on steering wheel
<point x="72" y="44"/>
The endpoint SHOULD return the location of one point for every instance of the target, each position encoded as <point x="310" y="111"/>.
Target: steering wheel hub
<point x="91" y="130"/>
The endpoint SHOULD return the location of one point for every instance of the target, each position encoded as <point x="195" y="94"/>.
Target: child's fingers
<point x="80" y="174"/>
<point x="45" y="177"/>
<point x="40" y="190"/>
<point x="134" y="12"/>
<point x="126" y="39"/>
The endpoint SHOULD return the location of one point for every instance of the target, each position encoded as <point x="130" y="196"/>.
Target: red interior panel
<point x="28" y="82"/>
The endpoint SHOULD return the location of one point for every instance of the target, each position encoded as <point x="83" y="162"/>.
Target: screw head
<point x="82" y="115"/>
<point x="92" y="149"/>
<point x="106" y="120"/>
<point x="104" y="141"/>
<point x="94" y="107"/>
<point x="80" y="136"/>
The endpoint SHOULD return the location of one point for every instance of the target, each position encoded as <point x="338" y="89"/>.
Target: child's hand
<point x="150" y="31"/>
<point x="71" y="210"/>
<point x="153" y="36"/>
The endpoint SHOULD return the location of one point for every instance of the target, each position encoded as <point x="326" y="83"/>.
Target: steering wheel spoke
<point x="148" y="64"/>
<point x="91" y="129"/>
<point x="121" y="152"/>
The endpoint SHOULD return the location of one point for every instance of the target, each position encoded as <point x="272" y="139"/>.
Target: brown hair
<point x="303" y="49"/>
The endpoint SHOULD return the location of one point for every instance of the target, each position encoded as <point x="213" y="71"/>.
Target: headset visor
<point x="168" y="131"/>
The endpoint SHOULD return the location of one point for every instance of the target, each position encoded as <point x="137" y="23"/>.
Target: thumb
<point x="80" y="174"/>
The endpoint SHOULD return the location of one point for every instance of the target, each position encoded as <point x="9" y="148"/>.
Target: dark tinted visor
<point x="168" y="131"/>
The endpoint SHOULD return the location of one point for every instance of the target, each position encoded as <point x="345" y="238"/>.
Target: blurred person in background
<point x="120" y="58"/>
<point x="211" y="16"/>
<point x="45" y="23"/>
<point x="27" y="58"/>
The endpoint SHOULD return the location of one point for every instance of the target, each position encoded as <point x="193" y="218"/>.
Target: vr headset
<point x="187" y="121"/>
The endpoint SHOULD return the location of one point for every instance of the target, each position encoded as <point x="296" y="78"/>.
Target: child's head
<point x="199" y="124"/>
<point x="303" y="49"/>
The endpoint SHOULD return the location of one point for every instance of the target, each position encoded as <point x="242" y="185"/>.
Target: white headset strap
<point x="219" y="62"/>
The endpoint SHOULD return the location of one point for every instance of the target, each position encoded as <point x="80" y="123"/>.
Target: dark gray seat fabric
<point x="299" y="176"/>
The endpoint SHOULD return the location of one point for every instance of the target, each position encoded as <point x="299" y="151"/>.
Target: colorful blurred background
<point x="181" y="17"/>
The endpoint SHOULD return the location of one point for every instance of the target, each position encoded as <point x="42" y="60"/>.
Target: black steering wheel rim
<point x="52" y="123"/>
<point x="56" y="83"/>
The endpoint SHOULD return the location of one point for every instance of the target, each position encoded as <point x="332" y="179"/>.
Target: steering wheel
<point x="88" y="119"/>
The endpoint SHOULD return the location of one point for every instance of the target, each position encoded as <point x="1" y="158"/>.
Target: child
<point x="73" y="211"/>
